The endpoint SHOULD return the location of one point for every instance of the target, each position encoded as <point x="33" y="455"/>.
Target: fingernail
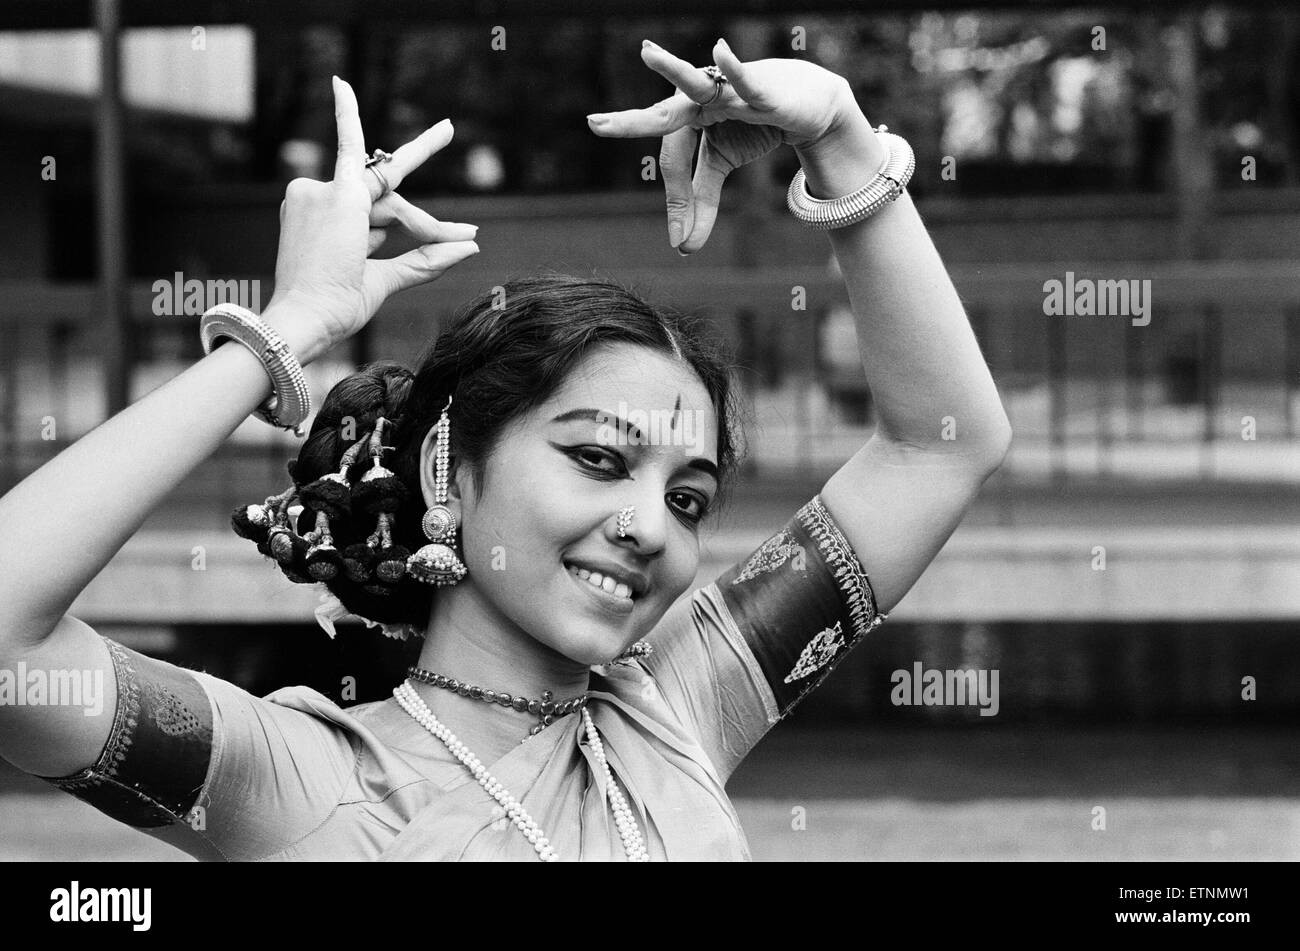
<point x="674" y="233"/>
<point x="647" y="44"/>
<point x="682" y="253"/>
<point x="597" y="118"/>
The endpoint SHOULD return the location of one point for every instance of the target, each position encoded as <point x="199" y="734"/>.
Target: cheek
<point x="522" y="521"/>
<point x="681" y="562"/>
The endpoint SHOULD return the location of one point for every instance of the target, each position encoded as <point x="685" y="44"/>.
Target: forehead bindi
<point x="640" y="379"/>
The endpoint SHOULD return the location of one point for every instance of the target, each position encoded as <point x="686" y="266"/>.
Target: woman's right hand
<point x="326" y="286"/>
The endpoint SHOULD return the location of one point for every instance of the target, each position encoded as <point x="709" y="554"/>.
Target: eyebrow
<point x="592" y="415"/>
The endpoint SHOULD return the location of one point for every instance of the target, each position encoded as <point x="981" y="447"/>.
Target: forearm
<point x="74" y="513"/>
<point x="918" y="350"/>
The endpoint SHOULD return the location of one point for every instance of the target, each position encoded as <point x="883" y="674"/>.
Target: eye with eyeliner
<point x="576" y="453"/>
<point x="693" y="519"/>
<point x="582" y="454"/>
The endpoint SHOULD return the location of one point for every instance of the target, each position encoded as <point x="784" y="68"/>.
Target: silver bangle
<point x="823" y="214"/>
<point x="290" y="401"/>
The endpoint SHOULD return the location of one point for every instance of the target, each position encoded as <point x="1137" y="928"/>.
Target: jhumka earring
<point x="437" y="562"/>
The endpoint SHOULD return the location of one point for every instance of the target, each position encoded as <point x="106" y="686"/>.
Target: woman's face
<point x="630" y="427"/>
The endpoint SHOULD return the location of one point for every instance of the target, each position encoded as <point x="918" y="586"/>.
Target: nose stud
<point x="625" y="520"/>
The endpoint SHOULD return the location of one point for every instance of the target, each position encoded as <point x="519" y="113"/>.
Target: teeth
<point x="617" y="588"/>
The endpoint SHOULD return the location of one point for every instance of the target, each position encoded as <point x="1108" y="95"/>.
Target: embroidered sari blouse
<point x="198" y="762"/>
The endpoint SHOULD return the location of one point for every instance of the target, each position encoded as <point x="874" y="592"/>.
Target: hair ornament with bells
<point x="378" y="564"/>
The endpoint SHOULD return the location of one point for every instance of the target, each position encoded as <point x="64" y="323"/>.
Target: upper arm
<point x="186" y="757"/>
<point x="767" y="632"/>
<point x="52" y="739"/>
<point x="897" y="507"/>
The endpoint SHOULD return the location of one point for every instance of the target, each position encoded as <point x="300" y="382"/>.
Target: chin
<point x="590" y="647"/>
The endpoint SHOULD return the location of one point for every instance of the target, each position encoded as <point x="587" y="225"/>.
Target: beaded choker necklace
<point x="547" y="710"/>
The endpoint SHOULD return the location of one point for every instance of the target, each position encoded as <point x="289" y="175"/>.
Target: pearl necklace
<point x="633" y="842"/>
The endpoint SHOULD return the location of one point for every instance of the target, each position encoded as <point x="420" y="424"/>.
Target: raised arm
<point x="74" y="513"/>
<point x="942" y="428"/>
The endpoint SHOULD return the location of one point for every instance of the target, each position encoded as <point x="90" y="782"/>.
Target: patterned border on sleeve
<point x="801" y="602"/>
<point x="155" y="762"/>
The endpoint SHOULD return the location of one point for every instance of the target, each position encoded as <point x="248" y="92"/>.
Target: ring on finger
<point x="384" y="187"/>
<point x="719" y="80"/>
<point x="372" y="163"/>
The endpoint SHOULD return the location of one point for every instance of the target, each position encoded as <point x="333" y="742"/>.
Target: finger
<point x="710" y="172"/>
<point x="352" y="142"/>
<point x="667" y="115"/>
<point x="746" y="88"/>
<point x="419" y="266"/>
<point x="675" y="165"/>
<point x="410" y="156"/>
<point x="692" y="80"/>
<point x="418" y="223"/>
<point x="376" y="240"/>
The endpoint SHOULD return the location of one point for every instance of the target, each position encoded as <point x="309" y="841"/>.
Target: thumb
<point x="426" y="263"/>
<point x="735" y="71"/>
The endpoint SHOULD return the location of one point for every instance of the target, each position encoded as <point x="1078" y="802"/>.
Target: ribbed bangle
<point x="290" y="401"/>
<point x="823" y="214"/>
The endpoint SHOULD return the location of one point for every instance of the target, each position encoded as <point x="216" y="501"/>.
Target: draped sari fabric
<point x="199" y="762"/>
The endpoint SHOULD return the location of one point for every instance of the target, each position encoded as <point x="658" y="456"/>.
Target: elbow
<point x="995" y="445"/>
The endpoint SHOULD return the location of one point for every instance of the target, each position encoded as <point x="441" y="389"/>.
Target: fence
<point x="1209" y="389"/>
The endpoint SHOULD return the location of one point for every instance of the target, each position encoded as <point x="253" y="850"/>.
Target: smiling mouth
<point x="615" y="589"/>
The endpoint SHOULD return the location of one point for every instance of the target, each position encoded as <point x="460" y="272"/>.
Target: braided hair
<point x="357" y="475"/>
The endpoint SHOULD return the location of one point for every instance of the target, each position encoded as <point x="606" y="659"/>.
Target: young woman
<point x="495" y="501"/>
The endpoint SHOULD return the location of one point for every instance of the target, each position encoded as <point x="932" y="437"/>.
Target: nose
<point x="646" y="530"/>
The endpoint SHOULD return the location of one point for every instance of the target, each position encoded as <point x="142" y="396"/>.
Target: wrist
<point x="292" y="322"/>
<point x="845" y="158"/>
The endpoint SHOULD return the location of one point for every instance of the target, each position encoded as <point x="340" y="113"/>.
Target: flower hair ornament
<point x="331" y="609"/>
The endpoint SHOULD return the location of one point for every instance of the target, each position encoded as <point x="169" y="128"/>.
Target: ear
<point x="428" y="465"/>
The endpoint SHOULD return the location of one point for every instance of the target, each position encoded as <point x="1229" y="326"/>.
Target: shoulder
<point x="378" y="723"/>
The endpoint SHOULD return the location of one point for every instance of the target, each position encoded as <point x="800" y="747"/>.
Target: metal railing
<point x="1223" y="344"/>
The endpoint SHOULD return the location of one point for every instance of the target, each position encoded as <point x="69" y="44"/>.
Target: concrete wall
<point x="983" y="574"/>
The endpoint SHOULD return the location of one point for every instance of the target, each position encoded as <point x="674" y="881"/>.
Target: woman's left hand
<point x="764" y="104"/>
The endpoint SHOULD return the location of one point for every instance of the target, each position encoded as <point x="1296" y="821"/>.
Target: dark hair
<point x="503" y="353"/>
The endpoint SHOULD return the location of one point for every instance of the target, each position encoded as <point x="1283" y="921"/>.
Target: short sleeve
<point x="739" y="654"/>
<point x="204" y="765"/>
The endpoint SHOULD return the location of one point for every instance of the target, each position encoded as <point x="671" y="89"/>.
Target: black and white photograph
<point x="806" y="431"/>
